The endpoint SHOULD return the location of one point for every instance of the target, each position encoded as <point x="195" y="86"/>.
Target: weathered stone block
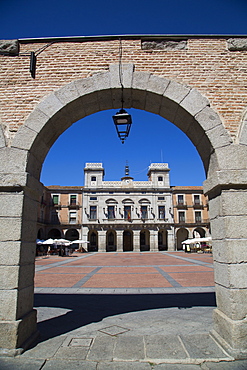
<point x="208" y="118"/>
<point x="50" y="105"/>
<point x="10" y="228"/>
<point x="230" y="251"/>
<point x="168" y="109"/>
<point x="176" y="91"/>
<point x="194" y="102"/>
<point x="232" y="157"/>
<point x="153" y="103"/>
<point x="231" y="275"/>
<point x="13" y="160"/>
<point x="231" y="302"/>
<point x="233" y="332"/>
<point x="218" y="137"/>
<point x="9" y="277"/>
<point x="183" y="119"/>
<point x="237" y="44"/>
<point x="8" y="302"/>
<point x="13" y="334"/>
<point x="233" y="178"/>
<point x="105" y="99"/>
<point x="67" y="93"/>
<point x="164" y="45"/>
<point x="90" y="103"/>
<point x="36" y="120"/>
<point x="138" y="99"/>
<point x="9" y="47"/>
<point x="230" y="227"/>
<point x="24" y="138"/>
<point x="140" y="80"/>
<point x="126" y="75"/>
<point x="157" y="85"/>
<point x="102" y="81"/>
<point x="11" y="204"/>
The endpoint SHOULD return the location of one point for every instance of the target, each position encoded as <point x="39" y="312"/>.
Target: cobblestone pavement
<point x="121" y="311"/>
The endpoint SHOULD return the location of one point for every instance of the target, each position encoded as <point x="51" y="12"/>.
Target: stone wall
<point x="216" y="67"/>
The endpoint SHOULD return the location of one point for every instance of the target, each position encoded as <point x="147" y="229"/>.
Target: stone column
<point x="227" y="205"/>
<point x="154" y="246"/>
<point x="101" y="241"/>
<point x="171" y="240"/>
<point x="119" y="235"/>
<point x="136" y="240"/>
<point x="18" y="233"/>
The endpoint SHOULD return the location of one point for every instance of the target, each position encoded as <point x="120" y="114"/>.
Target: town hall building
<point x="124" y="215"/>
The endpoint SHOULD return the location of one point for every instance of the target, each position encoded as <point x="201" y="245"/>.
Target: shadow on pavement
<point x="86" y="309"/>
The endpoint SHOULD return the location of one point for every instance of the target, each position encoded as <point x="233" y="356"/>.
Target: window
<point x="144" y="212"/>
<point x="93" y="198"/>
<point x="54" y="217"/>
<point x="55" y="199"/>
<point x="72" y="200"/>
<point x="198" y="217"/>
<point x="93" y="212"/>
<point x="160" y="178"/>
<point x="181" y="216"/>
<point x="127" y="212"/>
<point x="72" y="217"/>
<point x="93" y="178"/>
<point x="196" y="199"/>
<point x="111" y="212"/>
<point x="180" y="199"/>
<point x="161" y="212"/>
<point x="161" y="198"/>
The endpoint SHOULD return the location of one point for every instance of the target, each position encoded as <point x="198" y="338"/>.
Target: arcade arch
<point x="189" y="110"/>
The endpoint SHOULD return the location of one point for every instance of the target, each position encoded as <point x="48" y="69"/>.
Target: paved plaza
<point x="121" y="311"/>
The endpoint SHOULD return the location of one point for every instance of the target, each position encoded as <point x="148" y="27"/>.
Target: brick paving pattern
<point x="125" y="270"/>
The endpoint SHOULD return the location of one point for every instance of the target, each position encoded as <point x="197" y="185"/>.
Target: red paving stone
<point x="185" y="268"/>
<point x="125" y="270"/>
<point x="46" y="280"/>
<point x="69" y="270"/>
<point x="194" y="278"/>
<point x="129" y="270"/>
<point x="127" y="281"/>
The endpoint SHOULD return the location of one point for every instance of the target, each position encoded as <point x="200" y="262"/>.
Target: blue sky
<point x="152" y="139"/>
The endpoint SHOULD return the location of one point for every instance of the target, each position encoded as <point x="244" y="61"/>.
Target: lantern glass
<point x="122" y="121"/>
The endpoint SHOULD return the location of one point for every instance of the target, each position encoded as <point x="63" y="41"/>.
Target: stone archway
<point x="181" y="235"/>
<point x="224" y="163"/>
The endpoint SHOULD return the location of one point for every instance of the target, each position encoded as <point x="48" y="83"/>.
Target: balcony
<point x="195" y="222"/>
<point x="73" y="205"/>
<point x="56" y="205"/>
<point x="181" y="205"/>
<point x="198" y="205"/>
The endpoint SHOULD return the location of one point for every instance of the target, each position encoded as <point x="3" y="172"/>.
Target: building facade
<point x="124" y="215"/>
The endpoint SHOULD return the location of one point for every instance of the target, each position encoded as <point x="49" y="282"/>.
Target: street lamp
<point x="122" y="121"/>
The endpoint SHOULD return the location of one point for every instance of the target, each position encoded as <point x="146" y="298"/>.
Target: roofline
<point x="145" y="37"/>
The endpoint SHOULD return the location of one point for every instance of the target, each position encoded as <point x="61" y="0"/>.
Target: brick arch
<point x="184" y="106"/>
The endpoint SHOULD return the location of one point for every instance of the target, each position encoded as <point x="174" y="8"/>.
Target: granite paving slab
<point x="202" y="346"/>
<point x="161" y="346"/>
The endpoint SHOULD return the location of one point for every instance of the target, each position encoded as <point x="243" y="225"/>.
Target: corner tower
<point x="158" y="174"/>
<point x="93" y="175"/>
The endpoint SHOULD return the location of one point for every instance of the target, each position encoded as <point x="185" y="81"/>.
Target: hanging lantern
<point x="122" y="121"/>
